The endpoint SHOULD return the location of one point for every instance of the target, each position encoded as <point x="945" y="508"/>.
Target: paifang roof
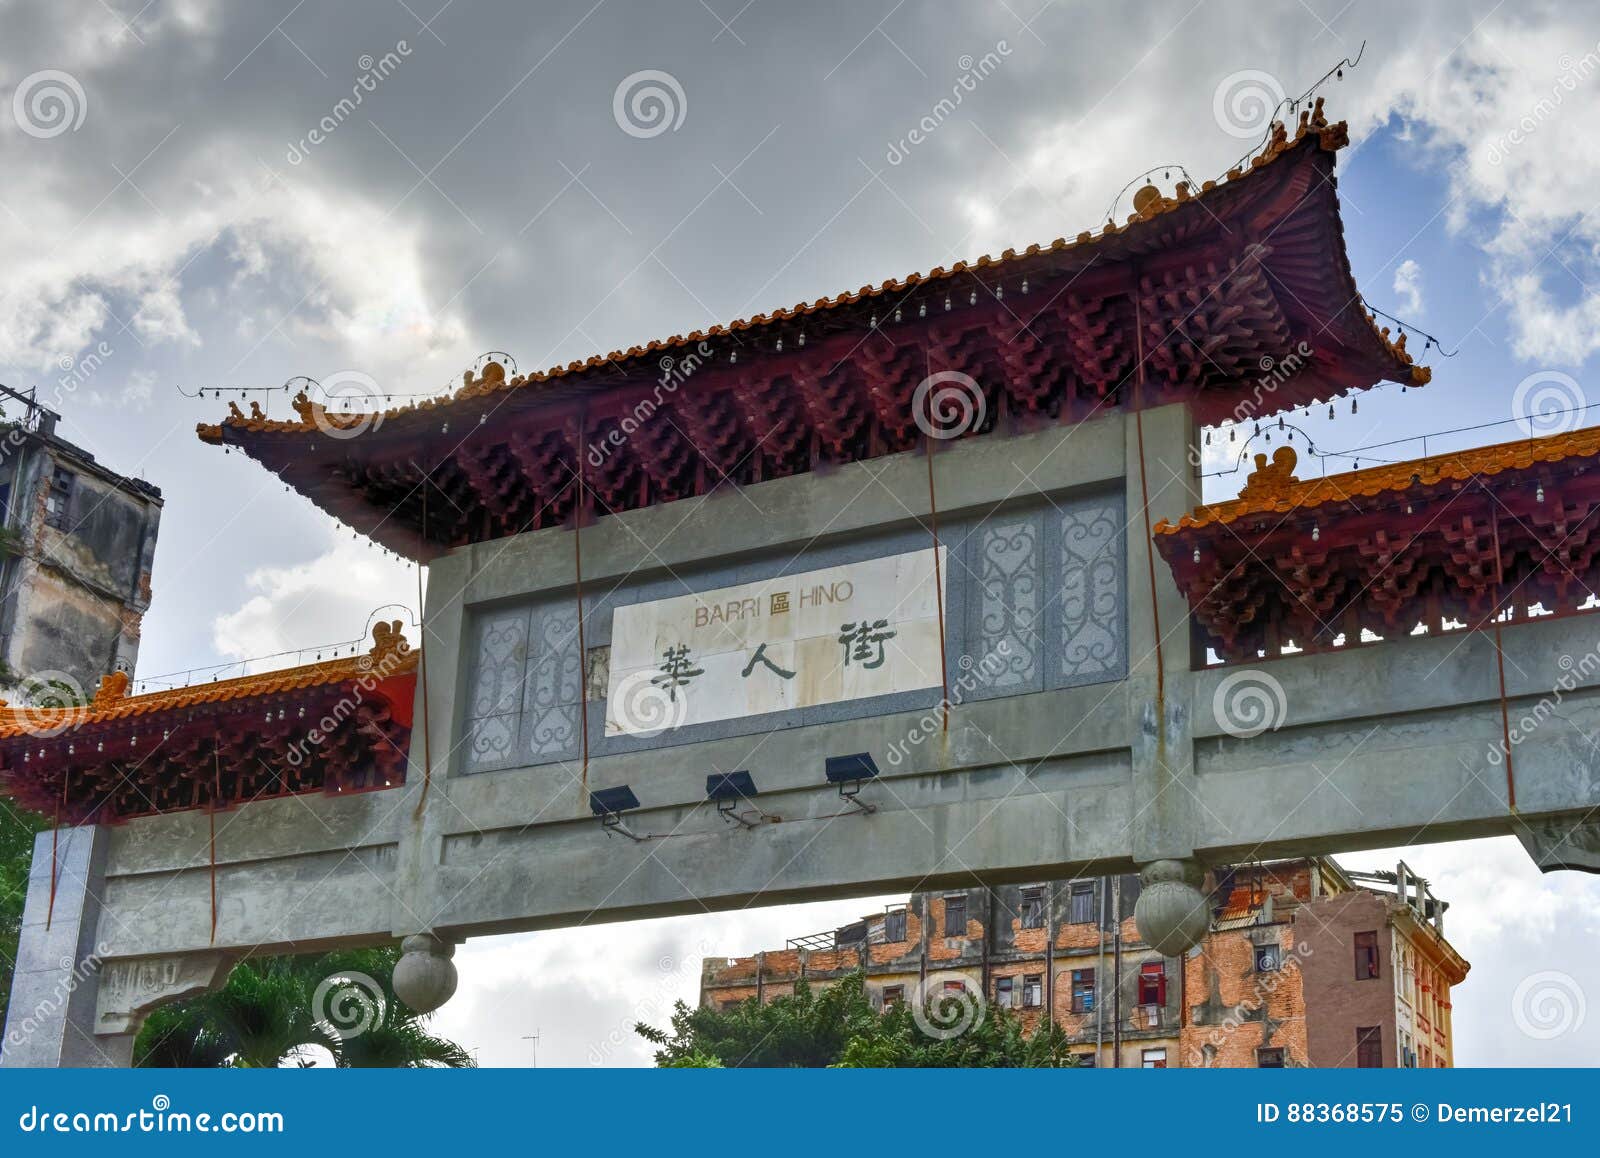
<point x="339" y="725"/>
<point x="1449" y="542"/>
<point x="1237" y="296"/>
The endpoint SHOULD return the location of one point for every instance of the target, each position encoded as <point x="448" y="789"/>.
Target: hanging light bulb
<point x="1024" y="285"/>
<point x="1330" y="412"/>
<point x="1538" y="495"/>
<point x="1316" y="533"/>
<point x="922" y="309"/>
<point x="1197" y="554"/>
<point x="1354" y="406"/>
<point x="1231" y="433"/>
<point x="1208" y="438"/>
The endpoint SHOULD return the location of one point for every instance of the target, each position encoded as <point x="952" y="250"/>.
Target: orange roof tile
<point x="1272" y="488"/>
<point x="390" y="656"/>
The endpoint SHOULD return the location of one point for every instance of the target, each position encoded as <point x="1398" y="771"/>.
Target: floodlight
<point x="727" y="789"/>
<point x="850" y="773"/>
<point x="610" y="801"/>
<point x="609" y="804"/>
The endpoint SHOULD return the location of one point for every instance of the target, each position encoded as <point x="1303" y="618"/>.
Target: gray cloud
<point x="482" y="194"/>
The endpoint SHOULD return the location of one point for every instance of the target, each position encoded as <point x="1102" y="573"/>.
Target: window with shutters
<point x="1033" y="908"/>
<point x="1153" y="983"/>
<point x="894" y="925"/>
<point x="955" y="916"/>
<point x="1082" y="903"/>
<point x="1366" y="956"/>
<point x="1082" y="990"/>
<point x="1032" y="990"/>
<point x="1369" y="1047"/>
<point x="1004" y="992"/>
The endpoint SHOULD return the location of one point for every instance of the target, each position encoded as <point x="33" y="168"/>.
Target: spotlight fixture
<point x="850" y="773"/>
<point x="609" y="804"/>
<point x="727" y="789"/>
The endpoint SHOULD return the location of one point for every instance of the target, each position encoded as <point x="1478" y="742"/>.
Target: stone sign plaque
<point x="792" y="641"/>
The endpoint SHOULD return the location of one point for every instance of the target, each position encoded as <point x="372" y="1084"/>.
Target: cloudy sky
<point x="187" y="205"/>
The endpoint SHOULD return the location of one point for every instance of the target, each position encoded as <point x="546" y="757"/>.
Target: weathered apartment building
<point x="1305" y="965"/>
<point x="79" y="543"/>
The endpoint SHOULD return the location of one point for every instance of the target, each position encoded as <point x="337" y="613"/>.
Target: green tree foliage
<point x="268" y="1015"/>
<point x="837" y="1026"/>
<point x="17" y="830"/>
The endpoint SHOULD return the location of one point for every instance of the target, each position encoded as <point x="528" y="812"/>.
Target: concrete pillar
<point x="72" y="1006"/>
<point x="1163" y="482"/>
<point x="51" y="1020"/>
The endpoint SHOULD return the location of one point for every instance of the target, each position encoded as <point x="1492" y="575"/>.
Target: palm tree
<point x="273" y="1009"/>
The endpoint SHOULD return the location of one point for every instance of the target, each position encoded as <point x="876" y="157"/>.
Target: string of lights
<point x="1294" y="103"/>
<point x="1429" y="341"/>
<point x="168" y="681"/>
<point x="302" y="383"/>
<point x="1264" y="431"/>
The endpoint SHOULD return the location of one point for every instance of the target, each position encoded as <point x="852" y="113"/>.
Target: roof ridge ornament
<point x="113" y="687"/>
<point x="388" y="644"/>
<point x="1271" y="482"/>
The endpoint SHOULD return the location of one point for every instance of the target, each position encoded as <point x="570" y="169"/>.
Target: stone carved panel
<point x="1092" y="641"/>
<point x="1004" y="621"/>
<point x="550" y="711"/>
<point x="523" y="683"/>
<point x="130" y="989"/>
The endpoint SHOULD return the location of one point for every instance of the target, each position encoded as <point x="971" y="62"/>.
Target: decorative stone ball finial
<point x="1172" y="914"/>
<point x="425" y="977"/>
